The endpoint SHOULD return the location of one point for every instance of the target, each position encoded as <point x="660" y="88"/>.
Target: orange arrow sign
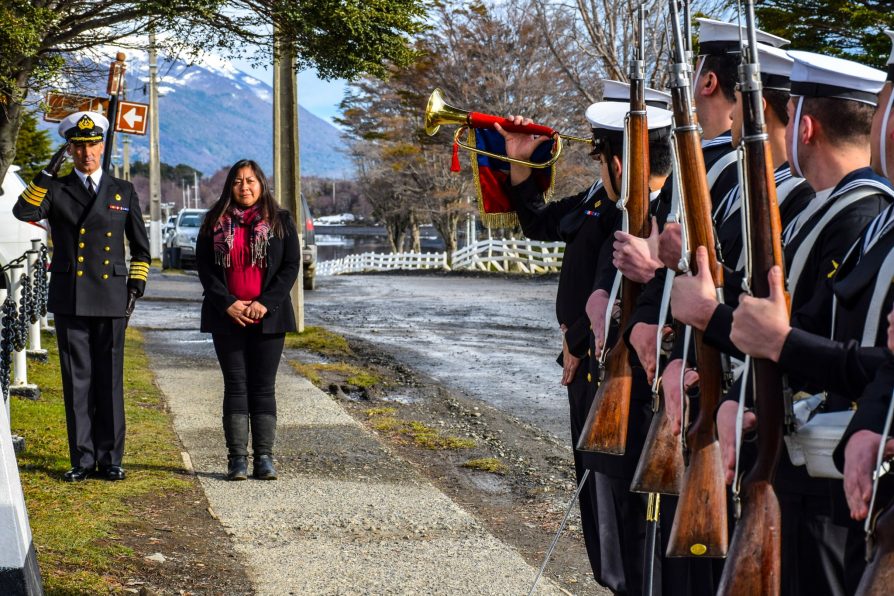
<point x="132" y="117"/>
<point x="60" y="105"/>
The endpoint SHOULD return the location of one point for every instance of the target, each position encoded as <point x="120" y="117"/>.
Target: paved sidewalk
<point x="347" y="516"/>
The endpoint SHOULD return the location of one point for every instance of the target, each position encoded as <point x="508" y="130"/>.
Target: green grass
<point x="74" y="525"/>
<point x="319" y="341"/>
<point x="383" y="420"/>
<point x="353" y="375"/>
<point x="487" y="464"/>
<point x="381" y="411"/>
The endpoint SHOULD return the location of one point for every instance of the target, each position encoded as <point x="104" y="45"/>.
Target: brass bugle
<point x="439" y="112"/>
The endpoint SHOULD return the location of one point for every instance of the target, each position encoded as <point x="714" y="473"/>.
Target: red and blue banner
<point x="492" y="177"/>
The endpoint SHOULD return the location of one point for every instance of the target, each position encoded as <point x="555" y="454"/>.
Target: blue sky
<point x="319" y="97"/>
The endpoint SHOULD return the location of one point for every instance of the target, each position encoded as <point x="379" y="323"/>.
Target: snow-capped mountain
<point x="211" y="114"/>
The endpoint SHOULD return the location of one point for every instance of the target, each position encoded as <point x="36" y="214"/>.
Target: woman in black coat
<point x="248" y="255"/>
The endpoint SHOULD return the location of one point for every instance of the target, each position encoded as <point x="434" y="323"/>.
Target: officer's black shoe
<point x="112" y="473"/>
<point x="77" y="474"/>
<point x="263" y="468"/>
<point x="237" y="467"/>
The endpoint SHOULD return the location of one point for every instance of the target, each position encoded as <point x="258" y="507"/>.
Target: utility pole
<point x="125" y="173"/>
<point x="154" y="158"/>
<point x="195" y="177"/>
<point x="125" y="142"/>
<point x="286" y="164"/>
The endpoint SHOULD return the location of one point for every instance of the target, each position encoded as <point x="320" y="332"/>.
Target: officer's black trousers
<point x="249" y="360"/>
<point x="91" y="355"/>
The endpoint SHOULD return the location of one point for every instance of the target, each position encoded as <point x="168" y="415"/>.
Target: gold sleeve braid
<point x="34" y="195"/>
<point x="139" y="270"/>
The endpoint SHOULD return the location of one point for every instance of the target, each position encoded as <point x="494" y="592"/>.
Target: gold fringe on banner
<point x="508" y="219"/>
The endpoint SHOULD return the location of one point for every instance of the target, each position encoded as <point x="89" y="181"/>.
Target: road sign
<point x="60" y="105"/>
<point x="132" y="117"/>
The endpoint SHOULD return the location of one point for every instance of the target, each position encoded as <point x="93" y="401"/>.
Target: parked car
<point x="309" y="248"/>
<point x="180" y="246"/>
<point x="167" y="230"/>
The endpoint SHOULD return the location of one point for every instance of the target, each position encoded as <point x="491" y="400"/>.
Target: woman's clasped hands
<point x="246" y="312"/>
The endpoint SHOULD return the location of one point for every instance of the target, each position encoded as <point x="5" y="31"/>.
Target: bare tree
<point x="591" y="39"/>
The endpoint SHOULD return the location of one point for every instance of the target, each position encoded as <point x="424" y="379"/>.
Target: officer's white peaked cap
<point x="610" y="115"/>
<point x="719" y="37"/>
<point x="618" y="91"/>
<point x="83" y="127"/>
<point x="815" y="75"/>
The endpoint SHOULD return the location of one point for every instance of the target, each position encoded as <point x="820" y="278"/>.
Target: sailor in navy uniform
<point x="856" y="454"/>
<point x="92" y="290"/>
<point x="836" y="262"/>
<point x="714" y="98"/>
<point x="585" y="222"/>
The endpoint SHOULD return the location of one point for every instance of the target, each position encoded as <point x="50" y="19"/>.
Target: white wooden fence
<point x="519" y="256"/>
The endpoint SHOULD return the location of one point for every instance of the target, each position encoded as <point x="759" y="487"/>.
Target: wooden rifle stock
<point x="660" y="467"/>
<point x="700" y="523"/>
<point x="754" y="562"/>
<point x="878" y="578"/>
<point x="605" y="430"/>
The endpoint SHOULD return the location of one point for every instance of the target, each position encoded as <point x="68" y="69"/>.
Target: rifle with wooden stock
<point x="753" y="565"/>
<point x="878" y="577"/>
<point x="660" y="466"/>
<point x="605" y="430"/>
<point x="700" y="523"/>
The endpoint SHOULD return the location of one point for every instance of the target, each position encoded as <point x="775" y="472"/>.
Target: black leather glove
<point x="56" y="161"/>
<point x="132" y="296"/>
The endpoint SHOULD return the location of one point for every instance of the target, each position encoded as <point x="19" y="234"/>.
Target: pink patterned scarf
<point x="224" y="231"/>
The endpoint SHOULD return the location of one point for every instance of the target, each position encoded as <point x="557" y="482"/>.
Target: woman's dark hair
<point x="266" y="202"/>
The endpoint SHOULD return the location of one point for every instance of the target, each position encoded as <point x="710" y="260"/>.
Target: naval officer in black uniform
<point x="92" y="290"/>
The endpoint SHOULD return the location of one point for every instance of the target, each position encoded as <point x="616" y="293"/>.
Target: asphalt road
<point x="492" y="338"/>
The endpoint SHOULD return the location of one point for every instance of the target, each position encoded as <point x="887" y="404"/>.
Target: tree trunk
<point x="446" y="226"/>
<point x="393" y="235"/>
<point x="11" y="109"/>
<point x="414" y="233"/>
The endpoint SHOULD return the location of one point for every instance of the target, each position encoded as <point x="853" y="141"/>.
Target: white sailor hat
<point x="609" y="116"/>
<point x="890" y="34"/>
<point x="719" y="37"/>
<point x="618" y="91"/>
<point x="776" y="68"/>
<point x="815" y="75"/>
<point x="83" y="127"/>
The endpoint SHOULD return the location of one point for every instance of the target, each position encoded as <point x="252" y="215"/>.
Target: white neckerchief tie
<point x="877" y="228"/>
<point x="812" y="207"/>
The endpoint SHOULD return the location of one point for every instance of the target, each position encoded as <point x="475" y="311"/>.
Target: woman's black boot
<point x="237" y="467"/>
<point x="236" y="434"/>
<point x="263" y="434"/>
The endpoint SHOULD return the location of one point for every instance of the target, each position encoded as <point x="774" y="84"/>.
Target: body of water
<point x="335" y="242"/>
